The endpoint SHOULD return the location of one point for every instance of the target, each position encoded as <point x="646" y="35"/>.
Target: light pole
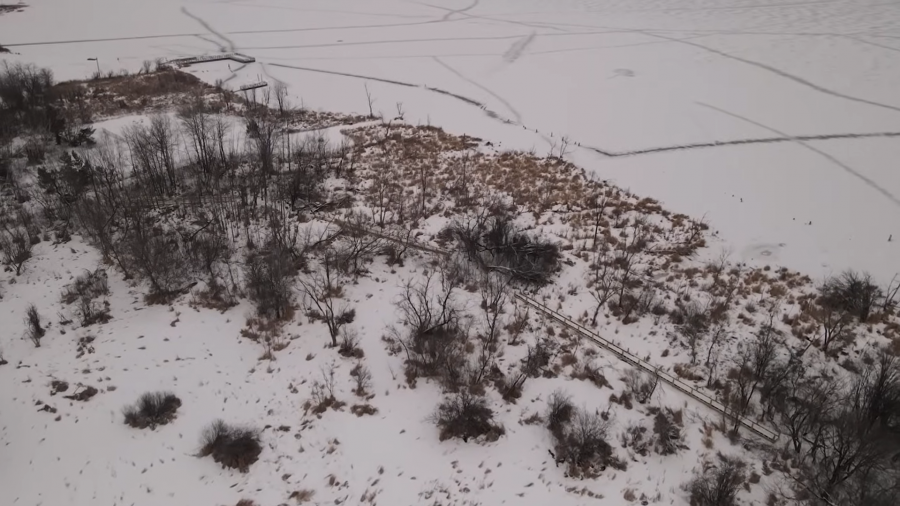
<point x="97" y="61"/>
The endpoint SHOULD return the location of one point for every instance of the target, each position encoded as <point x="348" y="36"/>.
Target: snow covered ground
<point x="612" y="74"/>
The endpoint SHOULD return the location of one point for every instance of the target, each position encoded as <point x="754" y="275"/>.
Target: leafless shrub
<point x="718" y="484"/>
<point x="349" y="343"/>
<point x="695" y="322"/>
<point x="852" y="292"/>
<point x="636" y="438"/>
<point x="640" y="385"/>
<point x="268" y="274"/>
<point x="363" y="409"/>
<point x="495" y="244"/>
<point x="91" y="284"/>
<point x="323" y="393"/>
<point x="16" y="245"/>
<point x="433" y="338"/>
<point x="363" y="379"/>
<point x="233" y="447"/>
<point x="754" y="365"/>
<point x="33" y="325"/>
<point x="534" y="362"/>
<point x="158" y="258"/>
<point x="90" y="311"/>
<point x="152" y="409"/>
<point x="589" y="372"/>
<point x="324" y="289"/>
<point x="581" y="444"/>
<point x="152" y="149"/>
<point x="601" y="282"/>
<point x="559" y="412"/>
<point x="465" y="416"/>
<point x="667" y="428"/>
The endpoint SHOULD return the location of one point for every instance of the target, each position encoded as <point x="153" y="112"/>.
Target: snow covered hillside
<point x="467" y="252"/>
<point x="614" y="75"/>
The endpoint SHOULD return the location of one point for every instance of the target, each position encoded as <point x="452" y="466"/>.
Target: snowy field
<point x="777" y="121"/>
<point x="616" y="75"/>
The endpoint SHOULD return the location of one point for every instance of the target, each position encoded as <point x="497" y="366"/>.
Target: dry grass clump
<point x="129" y="94"/>
<point x="152" y="409"/>
<point x="233" y="447"/>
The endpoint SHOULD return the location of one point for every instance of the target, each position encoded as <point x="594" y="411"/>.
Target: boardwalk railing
<point x="619" y="352"/>
<point x="629" y="358"/>
<point x="183" y="62"/>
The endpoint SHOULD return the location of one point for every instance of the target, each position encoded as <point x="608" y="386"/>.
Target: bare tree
<point x="369" y="100"/>
<point x="601" y="282"/>
<point x="434" y="338"/>
<point x="200" y="128"/>
<point x="16" y="245"/>
<point x="157" y="256"/>
<point x="269" y="274"/>
<point x="812" y="402"/>
<point x="719" y="483"/>
<point x="356" y="247"/>
<point x="263" y="130"/>
<point x="835" y="322"/>
<point x="890" y="295"/>
<point x="281" y="99"/>
<point x="640" y="384"/>
<point x="324" y="289"/>
<point x="694" y="326"/>
<point x="493" y="297"/>
<point x="853" y="292"/>
<point x="753" y="367"/>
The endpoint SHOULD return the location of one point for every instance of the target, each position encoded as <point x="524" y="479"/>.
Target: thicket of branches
<point x="495" y="243"/>
<point x="581" y="438"/>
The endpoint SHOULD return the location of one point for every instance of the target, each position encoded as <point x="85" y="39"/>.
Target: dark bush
<point x="152" y="409"/>
<point x="269" y="277"/>
<point x="83" y="393"/>
<point x="16" y="245"/>
<point x="233" y="447"/>
<point x="91" y="285"/>
<point x="669" y="437"/>
<point x="91" y="312"/>
<point x="33" y="325"/>
<point x="717" y="485"/>
<point x="853" y="292"/>
<point x="559" y="412"/>
<point x="497" y="245"/>
<point x="581" y="442"/>
<point x="584" y="444"/>
<point x="465" y="416"/>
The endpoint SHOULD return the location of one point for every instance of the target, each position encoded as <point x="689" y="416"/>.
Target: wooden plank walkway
<point x="622" y="354"/>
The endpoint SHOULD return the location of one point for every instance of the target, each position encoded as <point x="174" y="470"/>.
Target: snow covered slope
<point x="610" y="74"/>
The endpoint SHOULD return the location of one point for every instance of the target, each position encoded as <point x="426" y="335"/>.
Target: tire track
<point x="211" y="30"/>
<point x="460" y="11"/>
<point x="737" y="142"/>
<point x="515" y="51"/>
<point x="869" y="182"/>
<point x="488" y="91"/>
<point x="778" y="72"/>
<point x="461" y="98"/>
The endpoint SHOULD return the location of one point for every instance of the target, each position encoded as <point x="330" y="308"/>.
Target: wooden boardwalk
<point x="617" y="351"/>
